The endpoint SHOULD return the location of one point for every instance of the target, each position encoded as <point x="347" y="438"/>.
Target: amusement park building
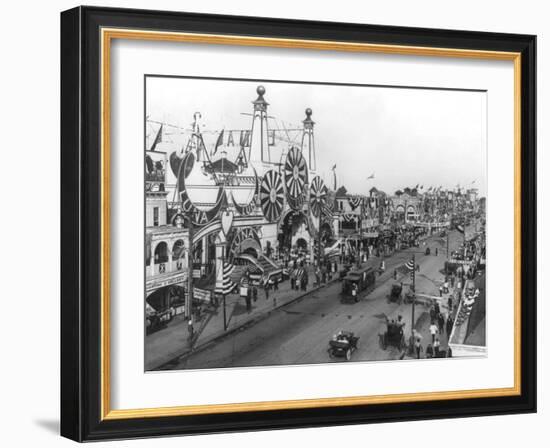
<point x="251" y="201"/>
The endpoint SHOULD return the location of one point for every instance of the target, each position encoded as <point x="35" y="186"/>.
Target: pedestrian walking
<point x="248" y="302"/>
<point x="275" y="284"/>
<point x="437" y="345"/>
<point x="429" y="351"/>
<point x="432" y="313"/>
<point x="433" y="331"/>
<point x="190" y="329"/>
<point x="449" y="326"/>
<point x="441" y="322"/>
<point x="437" y="308"/>
<point x="440" y="291"/>
<point x="450" y="303"/>
<point x="395" y="274"/>
<point x="418" y="348"/>
<point x="436" y="252"/>
<point x="254" y="293"/>
<point x="266" y="290"/>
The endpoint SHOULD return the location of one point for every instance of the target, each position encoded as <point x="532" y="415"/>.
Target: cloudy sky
<point x="405" y="136"/>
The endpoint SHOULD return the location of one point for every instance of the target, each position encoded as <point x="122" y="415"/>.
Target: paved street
<point x="298" y="333"/>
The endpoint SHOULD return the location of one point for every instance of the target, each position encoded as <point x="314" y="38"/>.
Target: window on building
<point x="155" y="216"/>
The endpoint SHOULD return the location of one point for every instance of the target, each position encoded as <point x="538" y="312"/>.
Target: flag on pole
<point x="225" y="285"/>
<point x="158" y="139"/>
<point x="371" y="176"/>
<point x="334" y="175"/>
<point x="410" y="266"/>
<point x="219" y="142"/>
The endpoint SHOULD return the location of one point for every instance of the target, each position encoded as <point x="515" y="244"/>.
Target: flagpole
<point x="223" y="291"/>
<point x="319" y="243"/>
<point x="413" y="296"/>
<point x="360" y="235"/>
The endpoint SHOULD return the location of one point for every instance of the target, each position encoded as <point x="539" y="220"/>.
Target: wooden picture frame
<point x="86" y="34"/>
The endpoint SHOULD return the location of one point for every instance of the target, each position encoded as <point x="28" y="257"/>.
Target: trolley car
<point x="357" y="281"/>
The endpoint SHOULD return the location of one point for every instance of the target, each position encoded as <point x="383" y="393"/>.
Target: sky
<point x="404" y="136"/>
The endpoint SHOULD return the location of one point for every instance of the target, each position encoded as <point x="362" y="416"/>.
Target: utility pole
<point x="189" y="303"/>
<point x="413" y="294"/>
<point x="447" y="263"/>
<point x="359" y="245"/>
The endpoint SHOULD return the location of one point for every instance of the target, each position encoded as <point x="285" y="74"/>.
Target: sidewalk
<point x="172" y="342"/>
<point x="428" y="281"/>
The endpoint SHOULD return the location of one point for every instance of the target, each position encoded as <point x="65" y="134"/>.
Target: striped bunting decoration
<point x="227" y="285"/>
<point x="410" y="266"/>
<point x="354" y="202"/>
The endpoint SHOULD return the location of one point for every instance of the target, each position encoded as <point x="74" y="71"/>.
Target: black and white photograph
<point x="290" y="223"/>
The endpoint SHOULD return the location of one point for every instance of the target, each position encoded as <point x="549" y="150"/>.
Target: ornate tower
<point x="308" y="141"/>
<point x="259" y="143"/>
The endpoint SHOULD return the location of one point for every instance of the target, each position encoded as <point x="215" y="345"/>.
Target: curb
<point x="253" y="321"/>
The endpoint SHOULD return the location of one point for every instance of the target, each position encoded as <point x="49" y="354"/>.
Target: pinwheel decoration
<point x="272" y="195"/>
<point x="317" y="196"/>
<point x="295" y="174"/>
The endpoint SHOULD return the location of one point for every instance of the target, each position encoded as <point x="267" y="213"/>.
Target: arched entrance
<point x="290" y="225"/>
<point x="161" y="257"/>
<point x="245" y="240"/>
<point x="178" y="255"/>
<point x="301" y="244"/>
<point x="163" y="298"/>
<point x="326" y="234"/>
<point x="251" y="251"/>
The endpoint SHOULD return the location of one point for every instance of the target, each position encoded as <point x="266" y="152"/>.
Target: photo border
<point x="86" y="37"/>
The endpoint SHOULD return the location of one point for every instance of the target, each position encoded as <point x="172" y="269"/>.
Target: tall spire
<point x="308" y="141"/>
<point x="196" y="143"/>
<point x="259" y="143"/>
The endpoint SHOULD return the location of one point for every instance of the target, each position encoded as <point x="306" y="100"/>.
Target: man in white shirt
<point x="433" y="331"/>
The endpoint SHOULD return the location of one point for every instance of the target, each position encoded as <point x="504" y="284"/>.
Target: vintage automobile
<point x="428" y="251"/>
<point x="396" y="293"/>
<point x="343" y="343"/>
<point x="394" y="336"/>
